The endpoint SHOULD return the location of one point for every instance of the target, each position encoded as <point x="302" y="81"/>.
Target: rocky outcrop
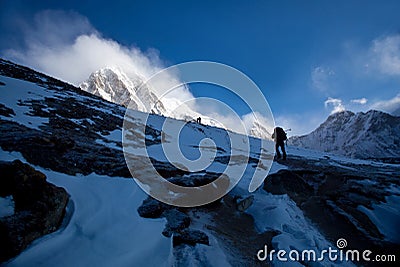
<point x="39" y="207"/>
<point x="190" y="237"/>
<point x="152" y="208"/>
<point x="176" y="222"/>
<point x="244" y="202"/>
<point x="177" y="225"/>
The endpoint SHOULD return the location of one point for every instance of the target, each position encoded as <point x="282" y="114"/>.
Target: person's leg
<point x="278" y="154"/>
<point x="282" y="145"/>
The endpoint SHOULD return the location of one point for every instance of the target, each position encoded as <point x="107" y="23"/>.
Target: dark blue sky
<point x="299" y="53"/>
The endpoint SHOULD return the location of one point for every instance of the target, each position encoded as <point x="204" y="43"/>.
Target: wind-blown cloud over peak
<point x="66" y="45"/>
<point x="336" y="105"/>
<point x="361" y="101"/>
<point x="388" y="105"/>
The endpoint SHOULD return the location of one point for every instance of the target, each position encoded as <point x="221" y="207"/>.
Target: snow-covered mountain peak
<point x="260" y="130"/>
<point x="339" y="116"/>
<point x="114" y="85"/>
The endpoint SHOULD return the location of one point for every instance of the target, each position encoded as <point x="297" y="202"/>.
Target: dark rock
<point x="288" y="182"/>
<point x="64" y="150"/>
<point x="152" y="208"/>
<point x="176" y="221"/>
<point x="39" y="207"/>
<point x="6" y="111"/>
<point x="243" y="203"/>
<point x="190" y="237"/>
<point x="166" y="169"/>
<point x="195" y="180"/>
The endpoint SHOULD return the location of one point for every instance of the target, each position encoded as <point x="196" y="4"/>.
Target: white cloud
<point x="336" y="105"/>
<point x="320" y="78"/>
<point x="65" y="45"/>
<point x="361" y="101"/>
<point x="385" y="54"/>
<point x="389" y="105"/>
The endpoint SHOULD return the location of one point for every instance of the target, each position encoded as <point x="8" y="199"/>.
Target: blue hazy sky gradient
<point x="310" y="58"/>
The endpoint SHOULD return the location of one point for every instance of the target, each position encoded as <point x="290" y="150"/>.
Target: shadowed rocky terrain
<point x="39" y="207"/>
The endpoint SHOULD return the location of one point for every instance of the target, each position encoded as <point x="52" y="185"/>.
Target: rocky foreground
<point x="328" y="192"/>
<point x="39" y="207"/>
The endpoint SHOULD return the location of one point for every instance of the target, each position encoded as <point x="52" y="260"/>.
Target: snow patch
<point x="6" y="206"/>
<point x="386" y="216"/>
<point x="16" y="91"/>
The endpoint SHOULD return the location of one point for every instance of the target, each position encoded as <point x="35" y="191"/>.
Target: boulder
<point x="176" y="221"/>
<point x="190" y="237"/>
<point x="288" y="182"/>
<point x="152" y="208"/>
<point x="39" y="207"/>
<point x="243" y="203"/>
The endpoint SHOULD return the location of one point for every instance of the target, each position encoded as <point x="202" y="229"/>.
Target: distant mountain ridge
<point x="396" y="112"/>
<point x="373" y="134"/>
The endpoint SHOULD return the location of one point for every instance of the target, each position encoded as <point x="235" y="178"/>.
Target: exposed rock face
<point x="152" y="208"/>
<point x="190" y="237"/>
<point x="176" y="221"/>
<point x="39" y="207"/>
<point x="244" y="202"/>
